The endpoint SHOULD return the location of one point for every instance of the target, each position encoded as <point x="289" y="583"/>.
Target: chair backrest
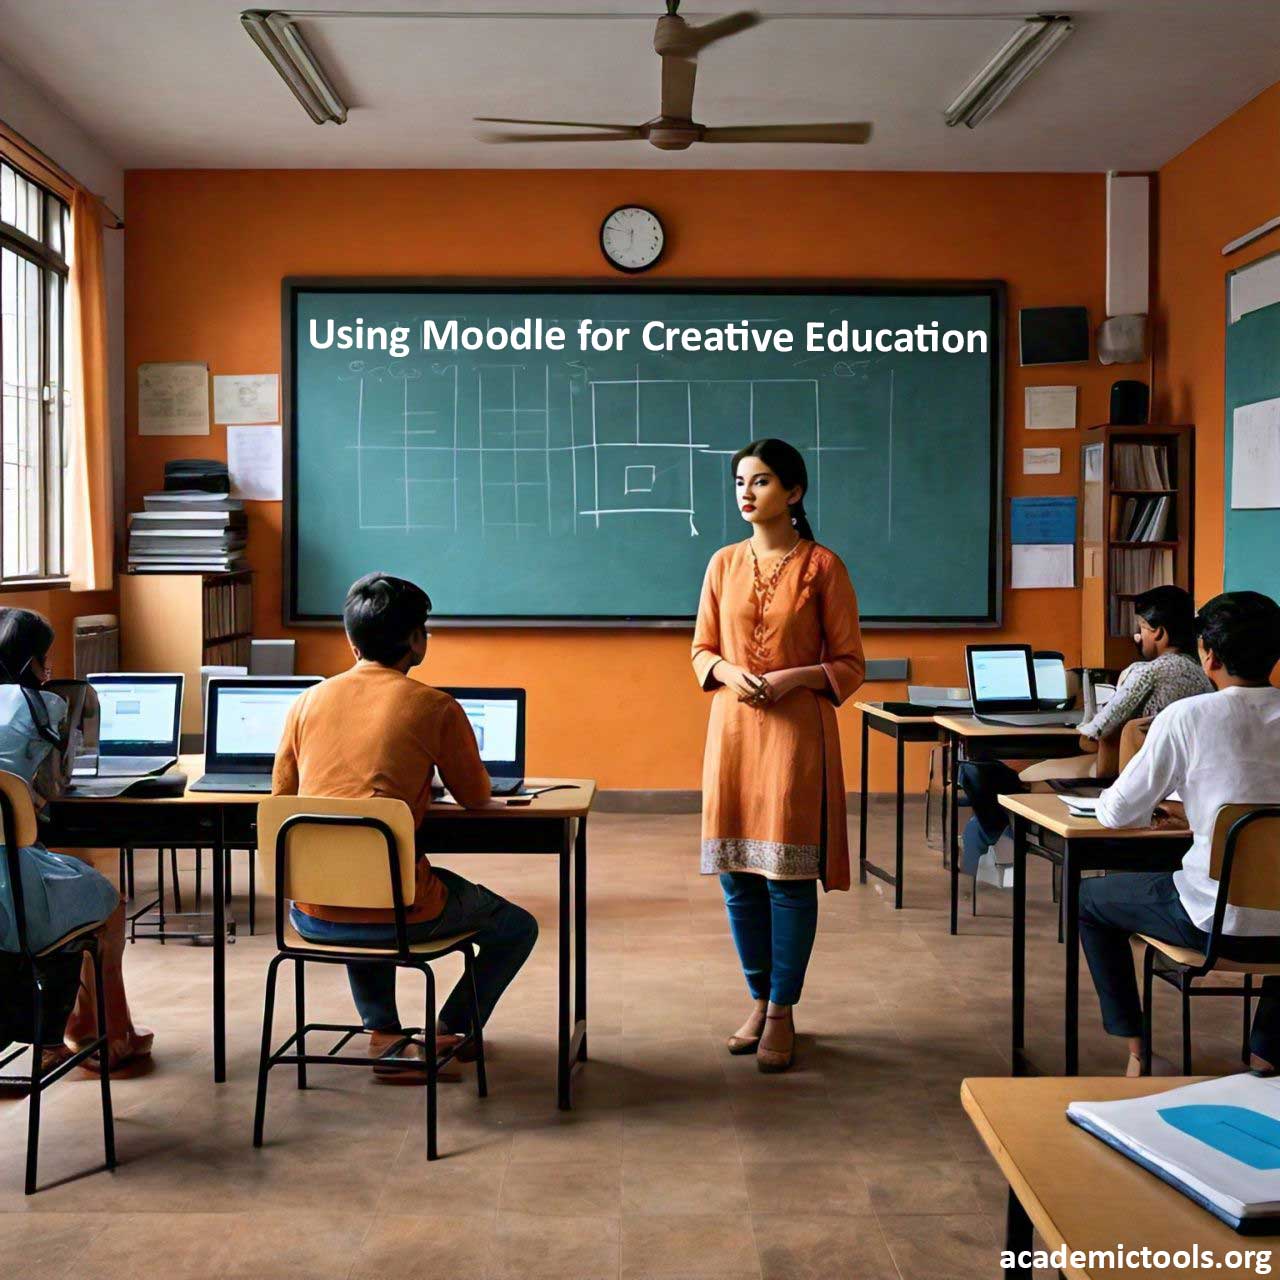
<point x="17" y="830"/>
<point x="1133" y="738"/>
<point x="334" y="852"/>
<point x="1250" y="835"/>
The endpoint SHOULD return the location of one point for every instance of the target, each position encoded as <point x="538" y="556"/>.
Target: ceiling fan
<point x="673" y="128"/>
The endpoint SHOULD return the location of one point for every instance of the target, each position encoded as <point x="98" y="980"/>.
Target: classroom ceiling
<point x="179" y="83"/>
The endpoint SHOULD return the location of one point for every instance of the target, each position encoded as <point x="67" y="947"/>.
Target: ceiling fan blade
<point x="629" y="136"/>
<point x="719" y="28"/>
<point x="570" y="124"/>
<point x="839" y="133"/>
<point x="678" y="76"/>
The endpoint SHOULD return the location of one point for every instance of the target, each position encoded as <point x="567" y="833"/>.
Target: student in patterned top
<point x="1167" y="670"/>
<point x="373" y="731"/>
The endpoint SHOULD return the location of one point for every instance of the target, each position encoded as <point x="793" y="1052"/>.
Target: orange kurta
<point x="773" y="799"/>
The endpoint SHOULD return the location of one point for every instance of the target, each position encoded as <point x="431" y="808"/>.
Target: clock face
<point x="632" y="238"/>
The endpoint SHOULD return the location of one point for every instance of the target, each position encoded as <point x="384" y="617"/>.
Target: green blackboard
<point x="1251" y="562"/>
<point x="591" y="488"/>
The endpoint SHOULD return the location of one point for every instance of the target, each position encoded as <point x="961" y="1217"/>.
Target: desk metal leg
<point x="1071" y="914"/>
<point x="1019" y="959"/>
<point x="862" y="808"/>
<point x="580" y="941"/>
<point x="945" y="774"/>
<point x="954" y="770"/>
<point x="563" y="1064"/>
<point x="219" y="967"/>
<point x="897" y="866"/>
<point x="1017" y="1237"/>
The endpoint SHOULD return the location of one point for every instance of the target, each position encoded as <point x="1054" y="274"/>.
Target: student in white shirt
<point x="1213" y="749"/>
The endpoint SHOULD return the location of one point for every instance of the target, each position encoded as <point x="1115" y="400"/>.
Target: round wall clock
<point x="631" y="238"/>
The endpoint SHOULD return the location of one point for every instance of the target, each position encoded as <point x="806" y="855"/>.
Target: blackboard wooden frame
<point x="993" y="290"/>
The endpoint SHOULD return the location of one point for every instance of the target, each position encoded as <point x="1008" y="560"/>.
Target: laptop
<point x="243" y="719"/>
<point x="497" y="717"/>
<point x="1002" y="684"/>
<point x="140" y="718"/>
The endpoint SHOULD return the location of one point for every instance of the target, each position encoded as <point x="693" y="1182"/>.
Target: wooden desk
<point x="226" y="820"/>
<point x="901" y="729"/>
<point x="1042" y="825"/>
<point x="981" y="741"/>
<point x="1079" y="1193"/>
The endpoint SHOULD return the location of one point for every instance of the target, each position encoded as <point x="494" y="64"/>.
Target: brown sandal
<point x="770" y="1061"/>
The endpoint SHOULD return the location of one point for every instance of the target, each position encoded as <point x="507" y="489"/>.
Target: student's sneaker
<point x="992" y="871"/>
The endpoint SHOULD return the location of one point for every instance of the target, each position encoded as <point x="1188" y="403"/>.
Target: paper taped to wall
<point x="1050" y="408"/>
<point x="1043" y="565"/>
<point x="246" y="397"/>
<point x="1041" y="462"/>
<point x="173" y="398"/>
<point x="253" y="459"/>
<point x="1255" y="455"/>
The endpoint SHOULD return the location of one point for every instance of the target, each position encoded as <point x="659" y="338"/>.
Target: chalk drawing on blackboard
<point x="492" y="449"/>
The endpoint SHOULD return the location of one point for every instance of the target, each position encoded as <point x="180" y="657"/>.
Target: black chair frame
<point x="430" y="1063"/>
<point x="1155" y="964"/>
<point x="41" y="1080"/>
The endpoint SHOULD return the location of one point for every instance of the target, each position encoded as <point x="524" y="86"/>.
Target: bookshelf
<point x="1136" y="529"/>
<point x="184" y="621"/>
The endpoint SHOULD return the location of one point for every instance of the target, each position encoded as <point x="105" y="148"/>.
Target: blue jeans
<point x="1114" y="906"/>
<point x="773" y="923"/>
<point x="504" y="937"/>
<point x="984" y="782"/>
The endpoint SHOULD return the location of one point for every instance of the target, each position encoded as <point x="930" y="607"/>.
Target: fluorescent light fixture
<point x="1020" y="55"/>
<point x="276" y="35"/>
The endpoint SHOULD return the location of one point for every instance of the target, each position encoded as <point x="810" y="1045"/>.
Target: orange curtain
<point x="88" y="500"/>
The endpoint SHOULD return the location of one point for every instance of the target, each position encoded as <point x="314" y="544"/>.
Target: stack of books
<point x="187" y="531"/>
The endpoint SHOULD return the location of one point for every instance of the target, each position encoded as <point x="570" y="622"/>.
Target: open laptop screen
<point x="139" y="714"/>
<point x="245" y="718"/>
<point x="497" y="719"/>
<point x="1001" y="675"/>
<point x="1051" y="679"/>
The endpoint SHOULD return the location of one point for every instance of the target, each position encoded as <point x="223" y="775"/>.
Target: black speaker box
<point x="1130" y="403"/>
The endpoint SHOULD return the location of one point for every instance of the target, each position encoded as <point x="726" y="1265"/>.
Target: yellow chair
<point x="350" y="853"/>
<point x="1245" y="861"/>
<point x="30" y="994"/>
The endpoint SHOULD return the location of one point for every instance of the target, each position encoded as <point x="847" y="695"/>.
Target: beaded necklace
<point x="763" y="590"/>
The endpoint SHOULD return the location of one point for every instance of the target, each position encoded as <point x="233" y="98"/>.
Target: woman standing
<point x="777" y="639"/>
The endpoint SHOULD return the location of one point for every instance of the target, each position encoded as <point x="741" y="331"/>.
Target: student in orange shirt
<point x="373" y="731"/>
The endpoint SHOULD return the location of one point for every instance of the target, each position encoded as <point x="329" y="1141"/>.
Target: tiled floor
<point x="678" y="1162"/>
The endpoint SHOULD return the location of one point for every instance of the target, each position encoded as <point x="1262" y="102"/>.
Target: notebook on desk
<point x="1216" y="1141"/>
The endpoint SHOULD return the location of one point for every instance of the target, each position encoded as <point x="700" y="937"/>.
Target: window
<point x="35" y="227"/>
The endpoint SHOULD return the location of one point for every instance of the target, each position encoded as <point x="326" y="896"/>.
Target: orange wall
<point x="1221" y="186"/>
<point x="206" y="252"/>
<point x="60" y="607"/>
